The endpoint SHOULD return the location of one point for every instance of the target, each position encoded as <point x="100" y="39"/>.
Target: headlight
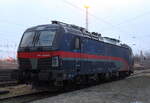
<point x="55" y="61"/>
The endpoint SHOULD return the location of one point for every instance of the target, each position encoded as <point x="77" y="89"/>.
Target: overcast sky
<point x="128" y="19"/>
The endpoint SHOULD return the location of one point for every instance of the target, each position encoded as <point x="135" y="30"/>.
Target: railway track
<point x="6" y="78"/>
<point x="37" y="95"/>
<point x="6" y="75"/>
<point x="8" y="83"/>
<point x="21" y="94"/>
<point x="33" y="95"/>
<point x="25" y="98"/>
<point x="27" y="94"/>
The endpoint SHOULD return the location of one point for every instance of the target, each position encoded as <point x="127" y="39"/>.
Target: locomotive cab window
<point x="46" y="38"/>
<point x="77" y="43"/>
<point x="27" y="39"/>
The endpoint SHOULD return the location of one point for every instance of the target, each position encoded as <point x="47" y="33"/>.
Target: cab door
<point x="77" y="49"/>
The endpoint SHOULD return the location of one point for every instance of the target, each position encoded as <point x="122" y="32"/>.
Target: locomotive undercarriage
<point x="55" y="78"/>
<point x="44" y="75"/>
<point x="41" y="77"/>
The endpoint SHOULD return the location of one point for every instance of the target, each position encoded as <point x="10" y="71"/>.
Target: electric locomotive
<point x="56" y="53"/>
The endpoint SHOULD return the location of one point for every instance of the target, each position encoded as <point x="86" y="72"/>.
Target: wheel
<point x="115" y="75"/>
<point x="122" y="75"/>
<point x="107" y="76"/>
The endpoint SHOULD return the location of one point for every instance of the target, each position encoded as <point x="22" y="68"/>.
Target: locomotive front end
<point x="38" y="59"/>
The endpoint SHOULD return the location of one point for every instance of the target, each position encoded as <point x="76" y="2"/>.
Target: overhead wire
<point x="132" y="19"/>
<point x="97" y="18"/>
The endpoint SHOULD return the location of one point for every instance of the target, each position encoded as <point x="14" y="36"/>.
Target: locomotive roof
<point x="79" y="31"/>
<point x="43" y="27"/>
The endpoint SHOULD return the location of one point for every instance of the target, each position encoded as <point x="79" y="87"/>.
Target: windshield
<point x="27" y="39"/>
<point x="46" y="38"/>
<point x="43" y="38"/>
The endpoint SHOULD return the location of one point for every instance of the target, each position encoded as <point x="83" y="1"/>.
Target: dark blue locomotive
<point x="55" y="53"/>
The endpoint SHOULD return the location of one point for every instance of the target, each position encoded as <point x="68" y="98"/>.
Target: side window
<point x="77" y="43"/>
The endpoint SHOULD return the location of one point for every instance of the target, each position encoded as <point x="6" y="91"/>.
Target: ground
<point x="135" y="89"/>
